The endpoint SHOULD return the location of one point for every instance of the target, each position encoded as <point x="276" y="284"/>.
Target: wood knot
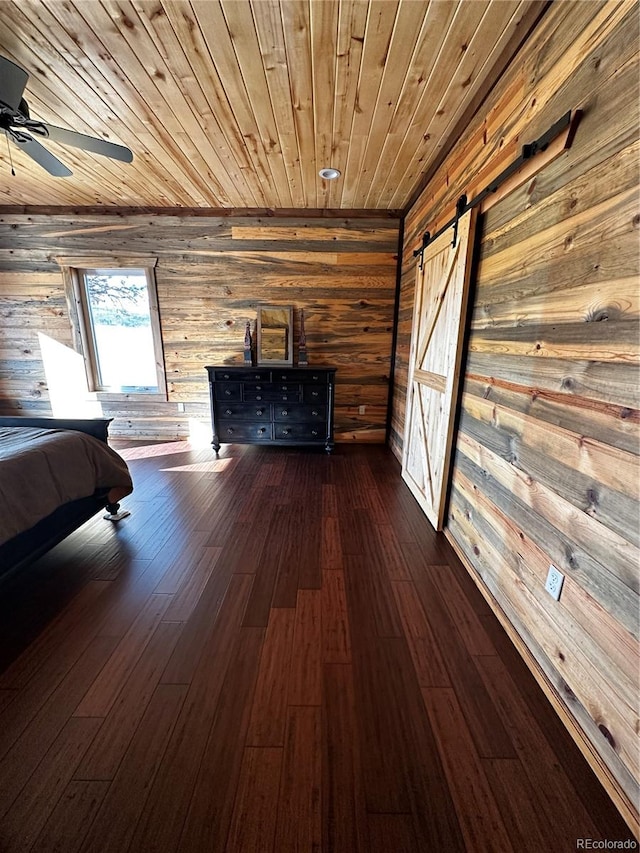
<point x="605" y="731"/>
<point x="598" y="316"/>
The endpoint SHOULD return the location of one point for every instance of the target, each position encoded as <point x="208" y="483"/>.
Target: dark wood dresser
<point x="272" y="405"/>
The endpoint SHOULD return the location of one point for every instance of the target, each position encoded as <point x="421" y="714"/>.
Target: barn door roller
<point x="568" y="121"/>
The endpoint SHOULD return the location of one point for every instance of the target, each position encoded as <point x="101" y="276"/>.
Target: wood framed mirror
<point x="275" y="334"/>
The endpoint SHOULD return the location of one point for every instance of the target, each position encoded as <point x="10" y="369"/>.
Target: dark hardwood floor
<point x="274" y="652"/>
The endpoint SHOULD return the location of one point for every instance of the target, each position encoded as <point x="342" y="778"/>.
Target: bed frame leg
<point x="114" y="513"/>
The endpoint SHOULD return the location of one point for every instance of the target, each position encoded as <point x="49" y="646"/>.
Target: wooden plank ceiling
<point x="237" y="104"/>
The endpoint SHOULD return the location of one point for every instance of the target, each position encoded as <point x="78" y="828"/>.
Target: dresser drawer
<point x="285" y="374"/>
<point x="227" y="391"/>
<point x="243" y="411"/>
<point x="270" y="394"/>
<point x="314" y="393"/>
<point x="299" y="432"/>
<point x="240" y="373"/>
<point x="244" y="431"/>
<point x="300" y="413"/>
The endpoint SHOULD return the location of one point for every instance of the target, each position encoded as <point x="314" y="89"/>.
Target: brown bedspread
<point x="41" y="469"/>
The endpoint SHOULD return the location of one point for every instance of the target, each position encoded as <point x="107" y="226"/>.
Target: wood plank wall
<point x="546" y="460"/>
<point x="212" y="271"/>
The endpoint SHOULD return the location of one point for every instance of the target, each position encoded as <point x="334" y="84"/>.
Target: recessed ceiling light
<point x="329" y="174"/>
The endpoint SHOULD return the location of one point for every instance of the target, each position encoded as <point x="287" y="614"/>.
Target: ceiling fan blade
<point x="89" y="143"/>
<point x="43" y="157"/>
<point x="13" y="79"/>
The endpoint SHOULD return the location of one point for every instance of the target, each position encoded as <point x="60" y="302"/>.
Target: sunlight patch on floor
<point x="215" y="466"/>
<point x="149" y="450"/>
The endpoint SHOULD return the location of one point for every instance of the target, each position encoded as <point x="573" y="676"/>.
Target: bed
<point x="55" y="474"/>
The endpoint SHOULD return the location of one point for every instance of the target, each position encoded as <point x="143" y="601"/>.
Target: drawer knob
<point x="316" y="377"/>
<point x="286" y="431"/>
<point x="258" y="387"/>
<point x="284" y="412"/>
<point x="226" y="375"/>
<point x="228" y="393"/>
<point x="259" y="397"/>
<point x="259" y="412"/>
<point x="229" y="430"/>
<point x="261" y="430"/>
<point x="314" y="413"/>
<point x="229" y="412"/>
<point x="285" y="397"/>
<point x="314" y="432"/>
<point x="314" y="393"/>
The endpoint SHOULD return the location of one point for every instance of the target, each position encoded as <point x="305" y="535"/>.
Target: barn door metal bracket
<point x="461" y="209"/>
<point x="569" y="120"/>
<point x="426" y="239"/>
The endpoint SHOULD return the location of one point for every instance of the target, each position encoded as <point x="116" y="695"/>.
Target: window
<point x="114" y="314"/>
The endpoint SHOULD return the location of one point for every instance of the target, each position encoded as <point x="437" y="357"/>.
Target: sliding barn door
<point x="434" y="366"/>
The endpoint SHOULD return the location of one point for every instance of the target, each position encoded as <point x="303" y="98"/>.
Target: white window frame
<point x="73" y="272"/>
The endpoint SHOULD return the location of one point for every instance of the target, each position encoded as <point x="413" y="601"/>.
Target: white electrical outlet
<point x="362" y="410"/>
<point x="554" y="582"/>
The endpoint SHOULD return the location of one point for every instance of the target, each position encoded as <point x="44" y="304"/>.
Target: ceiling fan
<point x="21" y="128"/>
